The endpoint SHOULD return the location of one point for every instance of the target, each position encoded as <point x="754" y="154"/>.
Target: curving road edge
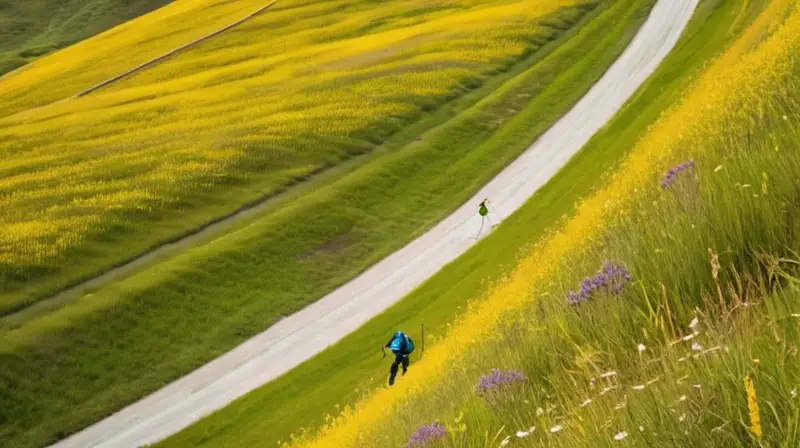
<point x="302" y="335"/>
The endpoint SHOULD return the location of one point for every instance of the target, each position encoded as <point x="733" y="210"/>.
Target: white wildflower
<point x="696" y="386"/>
<point x="683" y="398"/>
<point x="608" y="374"/>
<point x="522" y="434"/>
<point x="641" y="348"/>
<point x="697" y="347"/>
<point x="794" y="393"/>
<point x="620" y="435"/>
<point x="641" y="428"/>
<point x="682" y="417"/>
<point x="505" y="441"/>
<point x="693" y="324"/>
<point x="556" y="428"/>
<point x="539" y="411"/>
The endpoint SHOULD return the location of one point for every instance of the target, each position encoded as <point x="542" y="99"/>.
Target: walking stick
<point x="423" y="341"/>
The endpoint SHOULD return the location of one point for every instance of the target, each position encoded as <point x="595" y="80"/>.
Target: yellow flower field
<point x="299" y="88"/>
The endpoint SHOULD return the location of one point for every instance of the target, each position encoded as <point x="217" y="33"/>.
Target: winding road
<point x="302" y="335"/>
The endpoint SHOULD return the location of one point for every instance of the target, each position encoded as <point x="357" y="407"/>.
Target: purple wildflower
<point x="497" y="379"/>
<point x="610" y="280"/>
<point x="673" y="172"/>
<point x="426" y="434"/>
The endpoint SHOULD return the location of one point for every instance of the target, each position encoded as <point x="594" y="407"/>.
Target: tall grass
<point x="720" y="244"/>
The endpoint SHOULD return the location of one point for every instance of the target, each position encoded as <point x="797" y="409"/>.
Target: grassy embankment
<point x="699" y="348"/>
<point x="338" y="376"/>
<point x="133" y="336"/>
<point x="90" y="182"/>
<point x="32" y="28"/>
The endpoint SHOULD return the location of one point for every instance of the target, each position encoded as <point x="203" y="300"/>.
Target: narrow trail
<point x="302" y="335"/>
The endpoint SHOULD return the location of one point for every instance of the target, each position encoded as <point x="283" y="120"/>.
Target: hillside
<point x="32" y="28"/>
<point x="346" y="371"/>
<point x="356" y="129"/>
<point x="664" y="313"/>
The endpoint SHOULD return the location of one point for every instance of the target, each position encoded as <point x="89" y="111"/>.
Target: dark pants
<point x="399" y="359"/>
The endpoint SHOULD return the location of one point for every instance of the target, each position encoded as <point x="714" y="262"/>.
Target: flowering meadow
<point x="302" y="87"/>
<point x="110" y="342"/>
<point x="665" y="313"/>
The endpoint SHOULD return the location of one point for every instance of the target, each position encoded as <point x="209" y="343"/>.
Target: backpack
<point x="402" y="343"/>
<point x="409" y="345"/>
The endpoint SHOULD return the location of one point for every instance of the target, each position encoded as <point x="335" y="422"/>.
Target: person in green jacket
<point x="483" y="210"/>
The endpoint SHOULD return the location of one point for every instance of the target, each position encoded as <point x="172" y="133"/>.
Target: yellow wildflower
<point x="752" y="405"/>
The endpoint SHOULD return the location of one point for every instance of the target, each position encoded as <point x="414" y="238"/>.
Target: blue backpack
<point x="402" y="343"/>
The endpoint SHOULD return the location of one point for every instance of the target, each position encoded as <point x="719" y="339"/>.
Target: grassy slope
<point x="691" y="395"/>
<point x="340" y="374"/>
<point x="32" y="28"/>
<point x="118" y="350"/>
<point x="240" y="113"/>
<point x="197" y="208"/>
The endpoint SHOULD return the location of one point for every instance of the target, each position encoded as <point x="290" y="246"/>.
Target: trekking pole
<point x="495" y="210"/>
<point x="423" y="341"/>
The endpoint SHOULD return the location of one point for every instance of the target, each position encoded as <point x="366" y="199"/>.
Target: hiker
<point x="402" y="346"/>
<point x="483" y="210"/>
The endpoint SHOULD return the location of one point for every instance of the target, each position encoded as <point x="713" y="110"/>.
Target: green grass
<point x="30" y="29"/>
<point x="740" y="204"/>
<point x="110" y="347"/>
<point x="341" y="374"/>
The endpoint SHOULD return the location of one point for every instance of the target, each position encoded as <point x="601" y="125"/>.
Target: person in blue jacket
<point x="402" y="346"/>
